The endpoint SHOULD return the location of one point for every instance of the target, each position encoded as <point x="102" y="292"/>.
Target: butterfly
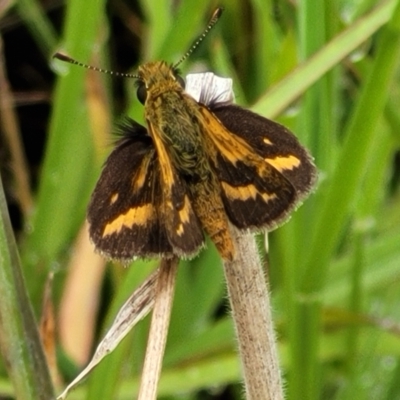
<point x="197" y="167"/>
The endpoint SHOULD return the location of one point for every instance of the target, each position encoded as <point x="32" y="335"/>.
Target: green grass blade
<point x="289" y="89"/>
<point x="69" y="166"/>
<point x="189" y="23"/>
<point x="38" y="24"/>
<point x="345" y="183"/>
<point x="19" y="337"/>
<point x="314" y="128"/>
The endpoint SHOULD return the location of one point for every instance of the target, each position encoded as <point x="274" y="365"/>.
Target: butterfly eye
<point x="180" y="80"/>
<point x="141" y="92"/>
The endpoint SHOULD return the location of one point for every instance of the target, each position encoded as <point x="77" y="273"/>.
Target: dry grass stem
<point x="158" y="329"/>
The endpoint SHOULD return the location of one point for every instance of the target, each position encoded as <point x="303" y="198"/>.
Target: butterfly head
<point x="155" y="78"/>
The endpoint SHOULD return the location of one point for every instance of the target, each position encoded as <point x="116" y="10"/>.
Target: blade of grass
<point x="363" y="227"/>
<point x="68" y="164"/>
<point x="266" y="46"/>
<point x="32" y="14"/>
<point x="394" y="388"/>
<point x="341" y="192"/>
<point x="189" y="22"/>
<point x="19" y="337"/>
<point x="166" y="40"/>
<point x="138" y="305"/>
<point x="280" y="96"/>
<point x="316" y="130"/>
<point x="217" y="339"/>
<point x="158" y="17"/>
<point x="377" y="274"/>
<point x="198" y="292"/>
<point x="212" y="372"/>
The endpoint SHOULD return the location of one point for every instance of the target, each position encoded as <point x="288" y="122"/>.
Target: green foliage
<point x="330" y="73"/>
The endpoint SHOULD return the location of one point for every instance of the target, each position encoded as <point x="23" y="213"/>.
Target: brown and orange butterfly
<point x="196" y="168"/>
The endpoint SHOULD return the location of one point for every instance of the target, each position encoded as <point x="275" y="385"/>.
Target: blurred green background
<point x="329" y="71"/>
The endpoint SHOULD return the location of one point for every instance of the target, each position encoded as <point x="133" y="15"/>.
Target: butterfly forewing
<point x="256" y="194"/>
<point x="124" y="211"/>
<point x="254" y="199"/>
<point x="273" y="142"/>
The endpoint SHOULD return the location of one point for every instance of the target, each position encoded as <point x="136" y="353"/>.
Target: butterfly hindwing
<point x="183" y="228"/>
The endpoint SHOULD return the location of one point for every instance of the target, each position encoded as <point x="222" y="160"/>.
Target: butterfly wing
<point x="182" y="226"/>
<point x="140" y="207"/>
<point x="256" y="186"/>
<point x="126" y="213"/>
<point x="273" y="142"/>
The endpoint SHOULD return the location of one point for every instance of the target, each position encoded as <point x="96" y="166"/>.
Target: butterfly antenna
<point x="70" y="60"/>
<point x="214" y="19"/>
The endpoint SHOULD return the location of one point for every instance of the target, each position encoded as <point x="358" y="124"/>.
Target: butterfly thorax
<point x="172" y="117"/>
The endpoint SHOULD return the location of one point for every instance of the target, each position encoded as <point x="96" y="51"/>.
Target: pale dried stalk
<point x="251" y="310"/>
<point x="158" y="329"/>
<point x="134" y="309"/>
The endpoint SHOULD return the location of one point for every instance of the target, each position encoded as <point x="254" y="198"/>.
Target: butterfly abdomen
<point x="209" y="208"/>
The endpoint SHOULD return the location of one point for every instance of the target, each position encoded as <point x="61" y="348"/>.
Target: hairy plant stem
<point x="251" y="311"/>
